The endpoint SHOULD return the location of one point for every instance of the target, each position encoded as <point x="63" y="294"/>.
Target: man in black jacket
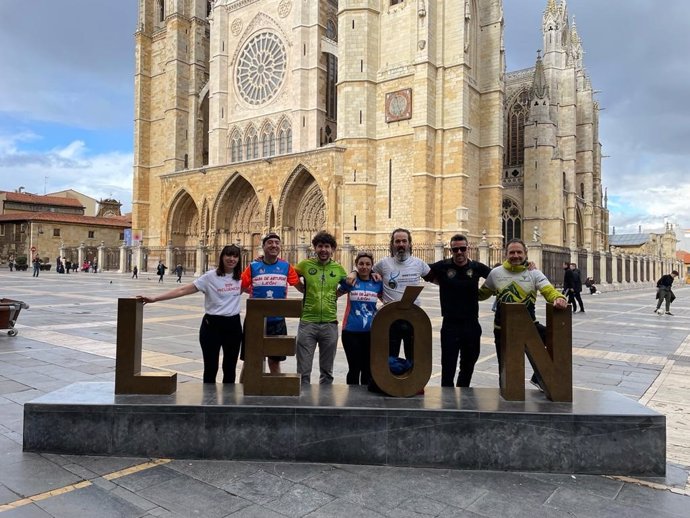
<point x="577" y="287"/>
<point x="664" y="292"/>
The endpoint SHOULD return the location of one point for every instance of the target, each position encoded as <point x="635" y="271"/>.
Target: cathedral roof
<point x="628" y="239"/>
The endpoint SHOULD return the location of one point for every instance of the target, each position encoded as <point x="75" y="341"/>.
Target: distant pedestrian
<point x="94" y="266"/>
<point x="664" y="293"/>
<point x="11" y="263"/>
<point x="135" y="272"/>
<point x="572" y="286"/>
<point x="160" y="271"/>
<point x="37" y="266"/>
<point x="178" y="272"/>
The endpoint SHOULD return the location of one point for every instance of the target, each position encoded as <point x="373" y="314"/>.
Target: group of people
<point x="322" y="280"/>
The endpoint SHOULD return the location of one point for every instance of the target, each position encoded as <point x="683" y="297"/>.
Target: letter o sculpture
<point x="413" y="381"/>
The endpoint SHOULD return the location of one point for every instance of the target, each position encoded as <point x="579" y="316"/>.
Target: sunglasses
<point x="457" y="249"/>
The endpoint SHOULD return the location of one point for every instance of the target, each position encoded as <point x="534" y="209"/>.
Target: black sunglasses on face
<point x="457" y="249"/>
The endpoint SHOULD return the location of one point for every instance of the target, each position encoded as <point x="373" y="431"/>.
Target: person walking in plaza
<point x="458" y="280"/>
<point x="397" y="272"/>
<point x="178" y="272"/>
<point x="362" y="297"/>
<point x="514" y="282"/>
<point x="220" y="325"/>
<point x="37" y="266"/>
<point x="10" y="262"/>
<point x="268" y="278"/>
<point x="160" y="271"/>
<point x="664" y="293"/>
<point x="135" y="272"/>
<point x="568" y="284"/>
<point x="319" y="322"/>
<point x="577" y="287"/>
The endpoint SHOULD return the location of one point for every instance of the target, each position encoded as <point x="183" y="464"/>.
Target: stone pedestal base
<point x="598" y="433"/>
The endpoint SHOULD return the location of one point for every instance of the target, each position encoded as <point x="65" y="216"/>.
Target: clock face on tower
<point x="399" y="105"/>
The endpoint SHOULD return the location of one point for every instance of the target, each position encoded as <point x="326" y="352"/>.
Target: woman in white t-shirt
<point x="221" y="326"/>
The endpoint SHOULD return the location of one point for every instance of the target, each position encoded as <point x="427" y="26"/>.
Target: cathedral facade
<point x="359" y="116"/>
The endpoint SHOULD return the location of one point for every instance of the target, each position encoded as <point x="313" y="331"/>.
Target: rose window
<point x="261" y="68"/>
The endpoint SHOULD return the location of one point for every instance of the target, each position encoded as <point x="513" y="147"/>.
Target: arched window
<point x="331" y="30"/>
<point x="235" y="147"/>
<point x="512" y="220"/>
<point x="268" y="141"/>
<point x="251" y="145"/>
<point x="331" y="86"/>
<point x="515" y="130"/>
<point x="160" y="12"/>
<point x="284" y="138"/>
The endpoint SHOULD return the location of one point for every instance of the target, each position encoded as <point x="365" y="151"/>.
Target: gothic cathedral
<point x="359" y="116"/>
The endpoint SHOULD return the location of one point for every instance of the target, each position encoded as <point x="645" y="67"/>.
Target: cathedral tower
<point x="420" y="91"/>
<point x="171" y="117"/>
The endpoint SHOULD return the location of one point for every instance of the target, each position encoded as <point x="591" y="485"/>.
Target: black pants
<point x="576" y="297"/>
<point x="459" y="337"/>
<point x="358" y="353"/>
<point x="536" y="378"/>
<point x="220" y="331"/>
<point x="401" y="331"/>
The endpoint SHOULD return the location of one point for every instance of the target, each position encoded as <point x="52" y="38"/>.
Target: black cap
<point x="270" y="235"/>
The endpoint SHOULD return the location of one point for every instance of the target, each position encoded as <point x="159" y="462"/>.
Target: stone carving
<point x="236" y="27"/>
<point x="284" y="8"/>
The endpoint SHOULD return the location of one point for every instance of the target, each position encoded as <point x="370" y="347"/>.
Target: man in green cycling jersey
<point x="319" y="322"/>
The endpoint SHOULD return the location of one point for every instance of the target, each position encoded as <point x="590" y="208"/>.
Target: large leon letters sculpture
<point x="519" y="337"/>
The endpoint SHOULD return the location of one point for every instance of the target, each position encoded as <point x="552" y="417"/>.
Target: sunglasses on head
<point x="457" y="249"/>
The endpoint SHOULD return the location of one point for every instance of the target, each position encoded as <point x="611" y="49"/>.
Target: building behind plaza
<point x="359" y="116"/>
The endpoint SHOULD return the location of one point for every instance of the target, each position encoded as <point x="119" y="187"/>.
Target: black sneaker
<point x="669" y="313"/>
<point x="536" y="384"/>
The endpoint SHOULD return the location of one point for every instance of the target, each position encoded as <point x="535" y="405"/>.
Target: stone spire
<point x="540" y="88"/>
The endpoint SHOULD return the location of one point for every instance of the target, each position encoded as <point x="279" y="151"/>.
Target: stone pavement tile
<point x="33" y="475"/>
<point x="299" y="500"/>
<point x="569" y="502"/>
<point x="524" y="505"/>
<point x="30" y="377"/>
<point x="26" y="511"/>
<point x="259" y="487"/>
<point x="419" y="506"/>
<point x="654" y="501"/>
<point x="256" y="511"/>
<point x="133" y="499"/>
<point x="63" y="374"/>
<point x="9" y="387"/>
<point x="99" y="465"/>
<point x="595" y="484"/>
<point x="89" y="501"/>
<point x="6" y="495"/>
<point x="339" y="483"/>
<point x="297" y="471"/>
<point x="24" y="396"/>
<point x="147" y="478"/>
<point x="341" y="508"/>
<point x="213" y="472"/>
<point x="189" y="497"/>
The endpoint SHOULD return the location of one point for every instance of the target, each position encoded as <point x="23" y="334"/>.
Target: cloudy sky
<point x="66" y="97"/>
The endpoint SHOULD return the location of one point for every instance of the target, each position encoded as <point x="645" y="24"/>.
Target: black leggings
<point x="357" y="350"/>
<point x="220" y="331"/>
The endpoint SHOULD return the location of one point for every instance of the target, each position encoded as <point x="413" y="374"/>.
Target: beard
<point x="402" y="254"/>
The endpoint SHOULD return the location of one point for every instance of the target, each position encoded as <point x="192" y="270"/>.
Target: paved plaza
<point x="68" y="335"/>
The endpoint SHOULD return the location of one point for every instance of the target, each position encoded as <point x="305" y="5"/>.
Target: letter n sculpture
<point x="552" y="360"/>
